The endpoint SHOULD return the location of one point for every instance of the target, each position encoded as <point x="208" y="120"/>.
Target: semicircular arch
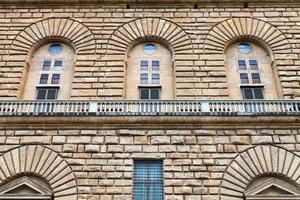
<point x="224" y="33"/>
<point x="41" y="161"/>
<point x="160" y="29"/>
<point x="255" y="162"/>
<point x="62" y="28"/>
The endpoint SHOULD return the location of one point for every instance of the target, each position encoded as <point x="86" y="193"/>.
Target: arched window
<point x="249" y="72"/>
<point x="149" y="72"/>
<point x="26" y="187"/>
<point x="272" y="188"/>
<point x="50" y="72"/>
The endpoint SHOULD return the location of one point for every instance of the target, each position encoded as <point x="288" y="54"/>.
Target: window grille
<point x="148" y="180"/>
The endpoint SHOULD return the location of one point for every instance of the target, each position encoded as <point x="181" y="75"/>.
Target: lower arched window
<point x="50" y="72"/>
<point x="249" y="72"/>
<point x="149" y="72"/>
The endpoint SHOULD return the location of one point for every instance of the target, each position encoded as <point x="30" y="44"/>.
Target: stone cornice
<point x="171" y="2"/>
<point x="148" y="122"/>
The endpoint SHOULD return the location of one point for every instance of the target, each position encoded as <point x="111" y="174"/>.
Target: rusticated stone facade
<point x="197" y="37"/>
<point x="204" y="157"/>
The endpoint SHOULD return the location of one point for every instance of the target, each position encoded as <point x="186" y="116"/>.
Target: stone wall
<point x="93" y="158"/>
<point x="198" y="37"/>
<point x="194" y="160"/>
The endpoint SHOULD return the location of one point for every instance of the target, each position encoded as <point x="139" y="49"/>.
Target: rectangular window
<point x="44" y="78"/>
<point x="255" y="78"/>
<point x="253" y="64"/>
<point x="252" y="93"/>
<point x="46" y="65"/>
<point x="244" y="78"/>
<point x="155" y="79"/>
<point x="149" y="93"/>
<point x="46" y="93"/>
<point x="258" y="93"/>
<point x="58" y="65"/>
<point x="155" y="65"/>
<point x="55" y="78"/>
<point x="144" y="78"/>
<point x="242" y="65"/>
<point x="148" y="180"/>
<point x="144" y="65"/>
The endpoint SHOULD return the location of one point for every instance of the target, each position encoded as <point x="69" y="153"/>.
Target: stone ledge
<point x="171" y="2"/>
<point x="148" y="122"/>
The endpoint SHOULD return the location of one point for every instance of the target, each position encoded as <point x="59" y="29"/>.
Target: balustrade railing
<point x="153" y="107"/>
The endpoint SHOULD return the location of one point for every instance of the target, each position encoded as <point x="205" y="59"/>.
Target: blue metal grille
<point x="148" y="180"/>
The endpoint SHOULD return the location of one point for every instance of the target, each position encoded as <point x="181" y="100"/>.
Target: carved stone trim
<point x="40" y="191"/>
<point x="254" y="192"/>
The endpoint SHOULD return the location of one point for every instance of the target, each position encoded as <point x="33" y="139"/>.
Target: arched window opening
<point x="249" y="72"/>
<point x="149" y="72"/>
<point x="26" y="187"/>
<point x="272" y="188"/>
<point x="50" y="72"/>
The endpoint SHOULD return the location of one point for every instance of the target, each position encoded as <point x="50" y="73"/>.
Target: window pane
<point x="41" y="94"/>
<point x="148" y="180"/>
<point x="144" y="65"/>
<point x="247" y="93"/>
<point x="155" y="93"/>
<point x="55" y="49"/>
<point x="245" y="48"/>
<point x="155" y="65"/>
<point x="144" y="79"/>
<point x="55" y="79"/>
<point x="253" y="64"/>
<point x="44" y="79"/>
<point x="155" y="79"/>
<point x="244" y="78"/>
<point x="150" y="48"/>
<point x="255" y="78"/>
<point x="46" y="65"/>
<point x="242" y="65"/>
<point x="58" y="65"/>
<point x="258" y="93"/>
<point x="144" y="94"/>
<point x="52" y="94"/>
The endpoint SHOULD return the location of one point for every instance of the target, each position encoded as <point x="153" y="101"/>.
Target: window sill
<point x="252" y="85"/>
<point x="48" y="86"/>
<point x="149" y="86"/>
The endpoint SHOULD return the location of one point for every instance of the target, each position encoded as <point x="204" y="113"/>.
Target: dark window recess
<point x="46" y="65"/>
<point x="46" y="93"/>
<point x="252" y="93"/>
<point x="253" y="64"/>
<point x="144" y="65"/>
<point x="242" y="65"/>
<point x="44" y="78"/>
<point x="244" y="78"/>
<point x="55" y="79"/>
<point x="58" y="65"/>
<point x="155" y="65"/>
<point x="149" y="93"/>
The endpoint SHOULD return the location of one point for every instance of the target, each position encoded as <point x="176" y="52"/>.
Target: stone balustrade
<point x="150" y="107"/>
